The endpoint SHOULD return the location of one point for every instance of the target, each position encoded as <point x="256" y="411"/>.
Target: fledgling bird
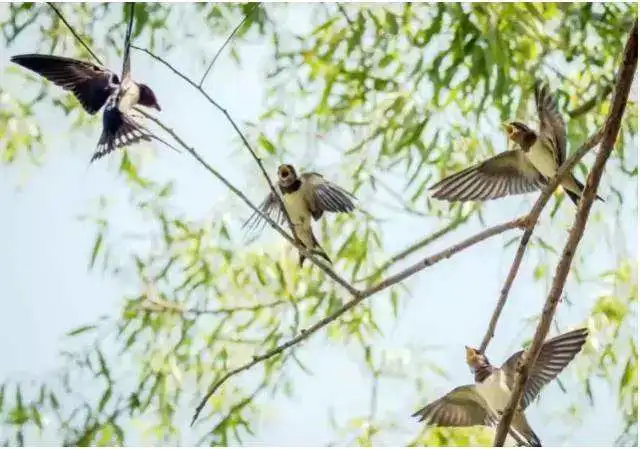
<point x="95" y="87"/>
<point x="529" y="167"/>
<point x="305" y="196"/>
<point x="482" y="403"/>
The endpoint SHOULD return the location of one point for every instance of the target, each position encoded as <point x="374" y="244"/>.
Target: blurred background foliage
<point x="418" y="90"/>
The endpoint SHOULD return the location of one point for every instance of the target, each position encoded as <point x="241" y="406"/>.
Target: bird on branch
<point x="482" y="403"/>
<point x="305" y="196"/>
<point x="529" y="167"/>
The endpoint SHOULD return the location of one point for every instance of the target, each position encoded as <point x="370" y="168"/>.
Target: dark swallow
<point x="95" y="87"/>
<point x="306" y="196"/>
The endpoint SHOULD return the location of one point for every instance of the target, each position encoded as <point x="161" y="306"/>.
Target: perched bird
<point x="483" y="403"/>
<point x="529" y="167"/>
<point x="305" y="196"/>
<point x="95" y="87"/>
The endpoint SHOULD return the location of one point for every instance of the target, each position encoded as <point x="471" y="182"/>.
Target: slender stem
<point x="611" y="130"/>
<point x="75" y="34"/>
<point x="244" y="19"/>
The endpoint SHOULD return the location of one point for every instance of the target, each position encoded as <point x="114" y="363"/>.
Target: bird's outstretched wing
<point x="461" y="407"/>
<point x="555" y="355"/>
<point x="92" y="85"/>
<point x="507" y="173"/>
<point x="271" y="207"/>
<point x="324" y="196"/>
<point x="552" y="127"/>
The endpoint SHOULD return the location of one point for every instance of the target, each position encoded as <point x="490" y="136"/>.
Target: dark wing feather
<point x="552" y="128"/>
<point x="128" y="133"/>
<point x="91" y="84"/>
<point x="325" y="196"/>
<point x="555" y="355"/>
<point x="507" y="173"/>
<point x="461" y="407"/>
<point x="271" y="207"/>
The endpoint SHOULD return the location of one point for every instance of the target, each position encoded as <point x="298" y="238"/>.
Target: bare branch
<point x="531" y="221"/>
<point x="590" y="104"/>
<point x="426" y="241"/>
<point x="224" y="44"/>
<point x="357" y="299"/>
<point x="611" y="130"/>
<point x="75" y="34"/>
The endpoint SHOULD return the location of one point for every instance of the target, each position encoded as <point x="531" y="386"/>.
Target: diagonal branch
<point x="611" y="129"/>
<point x="532" y="219"/>
<point x="357" y="299"/>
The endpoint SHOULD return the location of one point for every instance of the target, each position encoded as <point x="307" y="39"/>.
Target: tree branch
<point x="611" y="130"/>
<point x="357" y="299"/>
<point x="531" y="220"/>
<point x="224" y="44"/>
<point x="160" y="305"/>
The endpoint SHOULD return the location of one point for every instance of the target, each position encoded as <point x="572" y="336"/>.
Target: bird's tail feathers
<point x="127" y="133"/>
<point x="574" y="196"/>
<point x="317" y="250"/>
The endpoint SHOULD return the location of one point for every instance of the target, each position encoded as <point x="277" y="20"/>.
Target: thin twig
<point x="426" y="241"/>
<point x="244" y="19"/>
<point x="532" y="219"/>
<point x="357" y="299"/>
<point x="589" y="104"/>
<point x="611" y="130"/>
<point x="159" y="305"/>
<point x="73" y="31"/>
<point x="244" y="140"/>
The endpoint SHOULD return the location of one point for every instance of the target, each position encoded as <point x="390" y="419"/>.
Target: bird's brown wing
<point x="90" y="84"/>
<point x="461" y="407"/>
<point x="271" y="207"/>
<point x="552" y="128"/>
<point x="324" y="196"/>
<point x="507" y="173"/>
<point x="555" y="355"/>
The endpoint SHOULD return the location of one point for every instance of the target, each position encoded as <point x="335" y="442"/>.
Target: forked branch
<point x="610" y="133"/>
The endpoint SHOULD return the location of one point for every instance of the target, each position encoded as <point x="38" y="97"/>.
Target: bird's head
<point x="148" y="98"/>
<point x="475" y="359"/>
<point x="520" y="133"/>
<point x="287" y="175"/>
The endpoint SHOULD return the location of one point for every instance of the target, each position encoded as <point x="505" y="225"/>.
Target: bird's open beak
<point x="508" y="128"/>
<point x="470" y="353"/>
<point x="157" y="106"/>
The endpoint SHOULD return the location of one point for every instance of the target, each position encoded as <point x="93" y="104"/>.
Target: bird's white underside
<point x="542" y="159"/>
<point x="494" y="390"/>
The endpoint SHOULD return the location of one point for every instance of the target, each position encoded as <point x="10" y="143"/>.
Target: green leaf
<point x="81" y="330"/>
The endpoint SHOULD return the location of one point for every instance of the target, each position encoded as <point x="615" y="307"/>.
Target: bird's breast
<point x="494" y="390"/>
<point x="542" y="159"/>
<point x="297" y="208"/>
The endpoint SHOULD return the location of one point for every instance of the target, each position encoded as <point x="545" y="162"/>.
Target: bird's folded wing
<point x="271" y="207"/>
<point x="324" y="196"/>
<point x="555" y="355"/>
<point x="505" y="174"/>
<point x="552" y="127"/>
<point x="461" y="407"/>
<point x="91" y="84"/>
